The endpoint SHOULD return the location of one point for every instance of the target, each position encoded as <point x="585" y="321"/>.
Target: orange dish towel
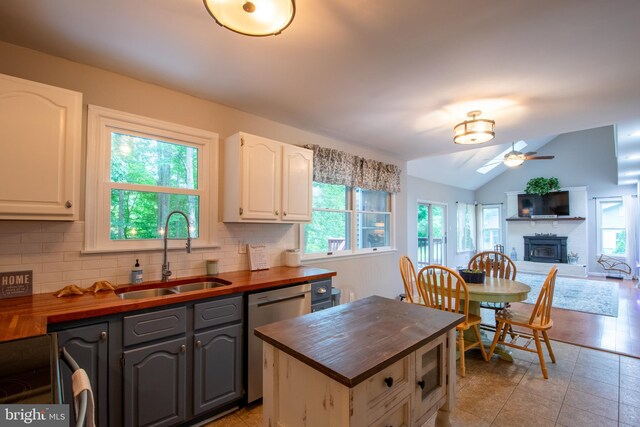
<point x="80" y="382"/>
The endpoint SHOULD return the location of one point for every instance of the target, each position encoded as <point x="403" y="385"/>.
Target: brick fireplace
<point x="552" y="249"/>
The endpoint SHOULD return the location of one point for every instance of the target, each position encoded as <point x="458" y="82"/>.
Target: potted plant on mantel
<point x="542" y="185"/>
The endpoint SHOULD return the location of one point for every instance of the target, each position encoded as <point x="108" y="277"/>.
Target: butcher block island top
<point x="24" y="317"/>
<point x="351" y="342"/>
<point x="372" y="362"/>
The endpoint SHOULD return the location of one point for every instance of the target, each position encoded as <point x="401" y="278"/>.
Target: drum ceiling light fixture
<point x="255" y="18"/>
<point x="474" y="130"/>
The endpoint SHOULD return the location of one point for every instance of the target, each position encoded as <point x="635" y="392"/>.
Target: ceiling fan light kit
<point x="474" y="131"/>
<point x="513" y="159"/>
<point x="516" y="158"/>
<point x="257" y="18"/>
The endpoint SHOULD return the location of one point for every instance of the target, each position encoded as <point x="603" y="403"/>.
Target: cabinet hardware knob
<point x="277" y="212"/>
<point x="421" y="383"/>
<point x="284" y="213"/>
<point x="69" y="204"/>
<point x="103" y="335"/>
<point x="199" y="344"/>
<point x="388" y="381"/>
<point x="321" y="290"/>
<point x="183" y="348"/>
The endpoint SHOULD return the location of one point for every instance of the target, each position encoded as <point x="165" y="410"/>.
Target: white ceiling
<point x="396" y="76"/>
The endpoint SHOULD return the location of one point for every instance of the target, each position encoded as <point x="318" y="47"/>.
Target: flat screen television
<point x="554" y="203"/>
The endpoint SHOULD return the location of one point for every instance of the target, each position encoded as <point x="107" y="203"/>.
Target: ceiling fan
<point x="516" y="158"/>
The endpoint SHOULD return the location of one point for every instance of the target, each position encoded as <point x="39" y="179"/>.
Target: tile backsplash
<point x="53" y="251"/>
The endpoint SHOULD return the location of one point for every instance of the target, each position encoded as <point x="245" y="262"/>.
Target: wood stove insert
<point x="545" y="249"/>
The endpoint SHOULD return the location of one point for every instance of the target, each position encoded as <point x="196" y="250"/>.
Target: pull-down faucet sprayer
<point x="166" y="273"/>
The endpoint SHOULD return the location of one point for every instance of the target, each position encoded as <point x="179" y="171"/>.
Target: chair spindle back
<point x="444" y="289"/>
<point x="494" y="264"/>
<point x="409" y="279"/>
<point x="542" y="310"/>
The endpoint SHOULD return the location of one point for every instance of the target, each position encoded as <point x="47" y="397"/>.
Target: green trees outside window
<point x="151" y="178"/>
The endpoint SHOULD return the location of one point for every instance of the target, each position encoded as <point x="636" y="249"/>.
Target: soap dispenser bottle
<point x="136" y="273"/>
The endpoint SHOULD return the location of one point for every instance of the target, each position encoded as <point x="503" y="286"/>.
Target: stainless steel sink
<point x="198" y="286"/>
<point x="146" y="293"/>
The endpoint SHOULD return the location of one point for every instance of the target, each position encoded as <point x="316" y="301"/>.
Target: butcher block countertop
<point x="351" y="342"/>
<point x="24" y="317"/>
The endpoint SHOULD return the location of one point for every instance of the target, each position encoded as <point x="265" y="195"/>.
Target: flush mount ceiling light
<point x="252" y="18"/>
<point x="474" y="131"/>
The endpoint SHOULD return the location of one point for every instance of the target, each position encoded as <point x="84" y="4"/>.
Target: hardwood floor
<point x="616" y="334"/>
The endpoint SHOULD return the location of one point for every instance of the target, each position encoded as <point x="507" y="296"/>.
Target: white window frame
<point x="101" y="123"/>
<point x="482" y="226"/>
<point x="354" y="251"/>
<point x="599" y="203"/>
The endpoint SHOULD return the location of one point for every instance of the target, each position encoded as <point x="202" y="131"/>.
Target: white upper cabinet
<point x="40" y="128"/>
<point x="297" y="183"/>
<point x="266" y="181"/>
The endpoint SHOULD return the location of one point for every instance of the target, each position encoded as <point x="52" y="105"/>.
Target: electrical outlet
<point x="242" y="247"/>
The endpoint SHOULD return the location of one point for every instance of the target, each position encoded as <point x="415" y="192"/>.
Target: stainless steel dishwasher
<point x="268" y="307"/>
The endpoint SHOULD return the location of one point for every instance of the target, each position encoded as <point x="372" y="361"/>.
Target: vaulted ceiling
<point x="395" y="76"/>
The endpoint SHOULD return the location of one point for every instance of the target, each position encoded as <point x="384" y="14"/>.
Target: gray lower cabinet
<point x="159" y="367"/>
<point x="88" y="345"/>
<point x="217" y="368"/>
<point x="155" y="384"/>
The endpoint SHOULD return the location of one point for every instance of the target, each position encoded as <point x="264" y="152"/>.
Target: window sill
<point x="310" y="259"/>
<point x="171" y="247"/>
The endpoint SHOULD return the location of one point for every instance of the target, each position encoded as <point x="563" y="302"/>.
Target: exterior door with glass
<point x="432" y="234"/>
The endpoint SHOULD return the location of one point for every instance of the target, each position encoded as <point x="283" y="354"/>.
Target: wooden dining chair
<point x="494" y="264"/>
<point x="408" y="273"/>
<point x="539" y="322"/>
<point x="444" y="289"/>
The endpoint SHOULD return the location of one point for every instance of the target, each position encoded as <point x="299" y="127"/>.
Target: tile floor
<point x="585" y="388"/>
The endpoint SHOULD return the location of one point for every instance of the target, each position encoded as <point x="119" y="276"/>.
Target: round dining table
<point x="495" y="289"/>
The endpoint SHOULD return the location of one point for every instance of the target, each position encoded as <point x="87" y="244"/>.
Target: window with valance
<point x="352" y="204"/>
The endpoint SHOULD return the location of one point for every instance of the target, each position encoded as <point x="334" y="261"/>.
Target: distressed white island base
<point x="374" y="362"/>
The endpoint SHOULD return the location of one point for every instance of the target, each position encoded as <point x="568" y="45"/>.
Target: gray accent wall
<point x="582" y="158"/>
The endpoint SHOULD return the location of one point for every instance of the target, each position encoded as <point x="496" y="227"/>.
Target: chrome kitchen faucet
<point x="166" y="273"/>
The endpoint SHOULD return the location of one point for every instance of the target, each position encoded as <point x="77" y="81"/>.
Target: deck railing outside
<point x="423" y="251"/>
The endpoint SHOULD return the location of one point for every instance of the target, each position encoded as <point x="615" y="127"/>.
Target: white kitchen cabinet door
<point x="40" y="129"/>
<point x="261" y="165"/>
<point x="297" y="183"/>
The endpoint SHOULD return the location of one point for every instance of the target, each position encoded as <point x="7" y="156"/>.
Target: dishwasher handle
<point x="278" y="300"/>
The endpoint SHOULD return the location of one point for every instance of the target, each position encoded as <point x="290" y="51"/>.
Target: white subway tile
<point x="10" y="259"/>
<point x="80" y="274"/>
<point x="64" y="227"/>
<point x="42" y="237"/>
<point x="10" y="238"/>
<point x="47" y="277"/>
<point x="42" y="258"/>
<point x="62" y="247"/>
<point x="21" y="248"/>
<point x="99" y="263"/>
<point x="73" y="237"/>
<point x="20" y="227"/>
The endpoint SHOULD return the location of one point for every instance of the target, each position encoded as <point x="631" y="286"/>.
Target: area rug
<point x="589" y="296"/>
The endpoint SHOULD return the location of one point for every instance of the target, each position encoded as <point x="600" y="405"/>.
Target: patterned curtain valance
<point x="337" y="167"/>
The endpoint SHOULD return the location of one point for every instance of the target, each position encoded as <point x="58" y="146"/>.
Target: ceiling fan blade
<point x="530" y="153"/>
<point x="539" y="157"/>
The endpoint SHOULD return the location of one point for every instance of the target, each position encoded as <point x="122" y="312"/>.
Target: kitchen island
<point x="375" y="361"/>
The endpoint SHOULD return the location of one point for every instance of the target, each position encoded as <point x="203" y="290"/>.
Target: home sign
<point x="16" y="284"/>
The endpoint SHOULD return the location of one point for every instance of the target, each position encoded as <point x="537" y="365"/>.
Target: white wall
<point x="52" y="250"/>
<point x="582" y="158"/>
<point x="420" y="190"/>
